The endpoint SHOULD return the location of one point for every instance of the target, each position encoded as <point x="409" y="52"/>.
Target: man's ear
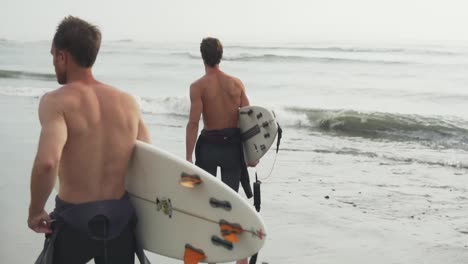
<point x="62" y="57"/>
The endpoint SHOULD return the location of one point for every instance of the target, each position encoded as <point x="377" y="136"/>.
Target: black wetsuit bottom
<point x="103" y="231"/>
<point x="221" y="148"/>
<point x="73" y="246"/>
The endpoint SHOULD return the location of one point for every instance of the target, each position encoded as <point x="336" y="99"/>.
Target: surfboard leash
<point x="278" y="142"/>
<point x="257" y="184"/>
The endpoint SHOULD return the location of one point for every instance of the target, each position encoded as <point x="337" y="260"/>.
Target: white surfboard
<point x="259" y="129"/>
<point x="171" y="216"/>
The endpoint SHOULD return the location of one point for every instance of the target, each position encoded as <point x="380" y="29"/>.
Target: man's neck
<point x="76" y="73"/>
<point x="209" y="69"/>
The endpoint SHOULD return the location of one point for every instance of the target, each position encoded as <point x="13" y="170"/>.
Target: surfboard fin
<point x="189" y="181"/>
<point x="230" y="231"/>
<point x="193" y="255"/>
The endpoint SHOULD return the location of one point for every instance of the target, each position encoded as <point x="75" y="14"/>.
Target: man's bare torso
<point x="102" y="126"/>
<point x="221" y="95"/>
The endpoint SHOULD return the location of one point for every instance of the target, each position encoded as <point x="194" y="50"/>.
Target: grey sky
<point x="244" y="20"/>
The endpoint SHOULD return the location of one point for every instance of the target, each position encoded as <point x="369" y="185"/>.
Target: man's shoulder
<point x="128" y="99"/>
<point x="199" y="85"/>
<point x="74" y="92"/>
<point x="66" y="91"/>
<point x="55" y="95"/>
<point x="51" y="102"/>
<point x="206" y="79"/>
<point x="116" y="90"/>
<point x="232" y="78"/>
<point x="199" y="82"/>
<point x="63" y="95"/>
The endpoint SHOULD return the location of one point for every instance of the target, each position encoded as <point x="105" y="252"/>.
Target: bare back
<point x="221" y="95"/>
<point x="102" y="126"/>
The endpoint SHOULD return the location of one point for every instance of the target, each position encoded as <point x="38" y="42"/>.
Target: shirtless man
<point x="218" y="97"/>
<point x="88" y="134"/>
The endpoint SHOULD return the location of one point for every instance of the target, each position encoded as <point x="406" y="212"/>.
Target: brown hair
<point x="212" y="51"/>
<point x="81" y="39"/>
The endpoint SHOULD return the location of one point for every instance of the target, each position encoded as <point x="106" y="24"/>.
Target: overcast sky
<point x="244" y="20"/>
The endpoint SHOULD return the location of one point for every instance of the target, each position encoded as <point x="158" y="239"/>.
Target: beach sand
<point x="318" y="207"/>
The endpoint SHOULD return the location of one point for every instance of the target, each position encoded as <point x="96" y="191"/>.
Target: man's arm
<point x="245" y="102"/>
<point x="196" y="108"/>
<point x="244" y="98"/>
<point x="45" y="169"/>
<point x="143" y="133"/>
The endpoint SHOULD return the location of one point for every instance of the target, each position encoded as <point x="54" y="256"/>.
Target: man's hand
<point x="253" y="164"/>
<point x="190" y="160"/>
<point x="40" y="222"/>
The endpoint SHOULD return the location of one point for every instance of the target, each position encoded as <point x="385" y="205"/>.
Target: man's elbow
<point x="144" y="136"/>
<point x="46" y="166"/>
<point x="192" y="125"/>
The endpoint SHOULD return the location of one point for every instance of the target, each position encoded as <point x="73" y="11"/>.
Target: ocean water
<point x="373" y="165"/>
<point x="396" y="102"/>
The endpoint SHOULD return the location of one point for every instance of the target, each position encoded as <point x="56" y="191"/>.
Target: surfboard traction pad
<point x="165" y="206"/>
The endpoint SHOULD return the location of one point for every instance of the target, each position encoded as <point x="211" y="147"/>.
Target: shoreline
<point x="386" y="213"/>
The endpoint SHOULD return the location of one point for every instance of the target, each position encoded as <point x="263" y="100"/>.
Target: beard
<point x="61" y="77"/>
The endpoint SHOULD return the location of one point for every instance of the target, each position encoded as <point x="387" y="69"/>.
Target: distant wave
<point x="186" y="54"/>
<point x="124" y="41"/>
<point x="7" y="74"/>
<point x="435" y="132"/>
<point x="281" y="58"/>
<point x="175" y="106"/>
<point x="290" y="58"/>
<point x="24" y="91"/>
<point x="332" y="48"/>
<point x="348" y="49"/>
<point x="391" y="158"/>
